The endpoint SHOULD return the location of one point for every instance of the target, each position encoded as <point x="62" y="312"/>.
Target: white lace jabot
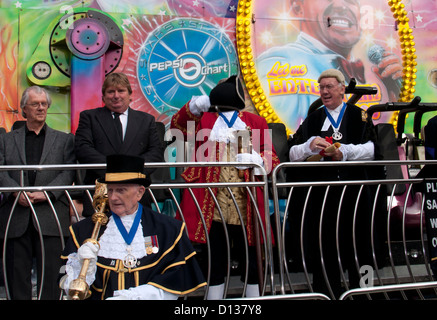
<point x="222" y="133"/>
<point x="112" y="244"/>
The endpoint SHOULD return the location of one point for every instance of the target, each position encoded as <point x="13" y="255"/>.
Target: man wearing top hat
<point x="140" y="254"/>
<point x="219" y="117"/>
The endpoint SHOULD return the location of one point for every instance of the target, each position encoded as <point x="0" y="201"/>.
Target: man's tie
<point x="352" y="69"/>
<point x="118" y="125"/>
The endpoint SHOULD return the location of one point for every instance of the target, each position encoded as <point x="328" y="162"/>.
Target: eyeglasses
<point x="328" y="87"/>
<point x="37" y="104"/>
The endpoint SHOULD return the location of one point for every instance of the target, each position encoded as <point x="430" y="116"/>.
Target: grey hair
<point x="332" y="73"/>
<point x="25" y="97"/>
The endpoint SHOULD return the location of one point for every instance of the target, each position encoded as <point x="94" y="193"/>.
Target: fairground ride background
<point x="174" y="49"/>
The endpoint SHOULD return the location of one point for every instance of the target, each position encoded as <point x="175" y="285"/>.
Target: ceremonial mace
<point x="248" y="149"/>
<point x="79" y="288"/>
<point x="242" y="146"/>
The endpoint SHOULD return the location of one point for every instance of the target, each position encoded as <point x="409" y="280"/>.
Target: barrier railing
<point x="401" y="266"/>
<point x="265" y="251"/>
<point x="405" y="269"/>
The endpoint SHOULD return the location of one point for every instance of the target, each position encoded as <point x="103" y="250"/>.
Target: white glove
<point x="119" y="296"/>
<point x="73" y="267"/>
<point x="253" y="157"/>
<point x="88" y="250"/>
<point x="143" y="292"/>
<point x="199" y="104"/>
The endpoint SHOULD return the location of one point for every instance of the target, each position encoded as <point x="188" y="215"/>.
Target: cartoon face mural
<point x="285" y="46"/>
<point x="360" y="38"/>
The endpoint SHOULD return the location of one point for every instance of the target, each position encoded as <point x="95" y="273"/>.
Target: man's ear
<point x="142" y="191"/>
<point x="297" y="7"/>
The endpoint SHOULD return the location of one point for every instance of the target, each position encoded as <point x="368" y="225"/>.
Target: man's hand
<point x="22" y="200"/>
<point x="318" y="144"/>
<point x="336" y="155"/>
<point x="38" y="196"/>
<point x="389" y="70"/>
<point x="390" y="66"/>
<point x="199" y="104"/>
<point x="34" y="197"/>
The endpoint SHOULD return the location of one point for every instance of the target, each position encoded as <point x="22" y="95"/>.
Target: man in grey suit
<point x="115" y="129"/>
<point x="35" y="143"/>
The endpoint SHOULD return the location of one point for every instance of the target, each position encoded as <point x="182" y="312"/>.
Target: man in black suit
<point x="99" y="135"/>
<point x="35" y="143"/>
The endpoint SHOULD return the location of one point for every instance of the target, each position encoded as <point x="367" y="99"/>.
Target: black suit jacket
<point x="355" y="128"/>
<point x="96" y="138"/>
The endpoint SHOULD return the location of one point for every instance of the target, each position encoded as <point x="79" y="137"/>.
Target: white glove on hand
<point x="199" y="104"/>
<point x="118" y="295"/>
<point x="89" y="251"/>
<point x="253" y="157"/>
<point x="143" y="292"/>
<point x="74" y="264"/>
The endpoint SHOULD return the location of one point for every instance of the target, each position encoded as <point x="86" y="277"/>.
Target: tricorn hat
<point x="122" y="169"/>
<point x="227" y="95"/>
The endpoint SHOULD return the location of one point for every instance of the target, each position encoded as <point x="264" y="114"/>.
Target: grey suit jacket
<point x="58" y="149"/>
<point x="96" y="138"/>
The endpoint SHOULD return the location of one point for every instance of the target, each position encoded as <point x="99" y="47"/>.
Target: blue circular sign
<point x="183" y="58"/>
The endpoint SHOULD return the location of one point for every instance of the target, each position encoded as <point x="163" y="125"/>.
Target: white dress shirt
<point x="350" y="151"/>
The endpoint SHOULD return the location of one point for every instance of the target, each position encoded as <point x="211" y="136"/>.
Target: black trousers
<point x="20" y="256"/>
<point x="219" y="258"/>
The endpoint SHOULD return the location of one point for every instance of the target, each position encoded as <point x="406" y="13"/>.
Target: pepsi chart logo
<point x="183" y="58"/>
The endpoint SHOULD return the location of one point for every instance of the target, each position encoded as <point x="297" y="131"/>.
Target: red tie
<point x="352" y="69"/>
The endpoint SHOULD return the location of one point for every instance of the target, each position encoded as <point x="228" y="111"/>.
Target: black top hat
<point x="122" y="168"/>
<point x="228" y="95"/>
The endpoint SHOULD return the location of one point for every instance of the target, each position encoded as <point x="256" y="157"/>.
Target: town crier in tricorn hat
<point x="221" y="115"/>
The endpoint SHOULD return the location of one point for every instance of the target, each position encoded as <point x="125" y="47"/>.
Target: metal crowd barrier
<point x="401" y="270"/>
<point x="405" y="273"/>
<point x="172" y="188"/>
